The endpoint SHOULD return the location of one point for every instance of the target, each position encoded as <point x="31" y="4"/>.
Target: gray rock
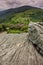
<point x="15" y="49"/>
<point x="36" y="35"/>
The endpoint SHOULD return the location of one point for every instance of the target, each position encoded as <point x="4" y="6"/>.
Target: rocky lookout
<point x="24" y="48"/>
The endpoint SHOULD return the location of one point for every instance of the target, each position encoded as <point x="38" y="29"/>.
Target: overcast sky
<point x="6" y="4"/>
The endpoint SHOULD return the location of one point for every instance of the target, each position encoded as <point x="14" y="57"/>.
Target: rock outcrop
<point x="20" y="49"/>
<point x="36" y="36"/>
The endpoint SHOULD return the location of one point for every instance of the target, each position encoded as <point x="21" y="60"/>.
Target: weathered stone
<point x="36" y="35"/>
<point x="18" y="49"/>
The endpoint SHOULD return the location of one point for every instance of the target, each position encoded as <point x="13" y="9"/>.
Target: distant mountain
<point x="19" y="18"/>
<point x="4" y="13"/>
<point x="33" y="13"/>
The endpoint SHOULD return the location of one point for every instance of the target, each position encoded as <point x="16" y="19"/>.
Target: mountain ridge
<point x="16" y="10"/>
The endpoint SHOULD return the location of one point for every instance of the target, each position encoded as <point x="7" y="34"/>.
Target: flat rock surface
<point x="15" y="49"/>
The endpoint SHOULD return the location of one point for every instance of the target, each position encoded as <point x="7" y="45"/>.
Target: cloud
<point x="6" y="4"/>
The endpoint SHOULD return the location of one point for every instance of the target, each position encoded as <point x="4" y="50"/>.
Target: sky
<point x="6" y="4"/>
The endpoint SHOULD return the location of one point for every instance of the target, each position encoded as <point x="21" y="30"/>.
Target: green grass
<point x="16" y="31"/>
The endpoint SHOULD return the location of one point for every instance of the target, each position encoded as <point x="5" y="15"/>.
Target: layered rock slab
<point x="36" y="35"/>
<point x="18" y="49"/>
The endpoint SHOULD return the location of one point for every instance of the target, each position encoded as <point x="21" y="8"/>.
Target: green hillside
<point x="18" y="22"/>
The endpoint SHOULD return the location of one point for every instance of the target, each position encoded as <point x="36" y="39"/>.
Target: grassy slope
<point x="13" y="21"/>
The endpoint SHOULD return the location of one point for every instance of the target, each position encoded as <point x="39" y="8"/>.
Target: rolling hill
<point x="19" y="18"/>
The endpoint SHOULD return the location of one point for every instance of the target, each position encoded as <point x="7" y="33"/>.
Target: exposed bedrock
<point x="36" y="36"/>
<point x="21" y="49"/>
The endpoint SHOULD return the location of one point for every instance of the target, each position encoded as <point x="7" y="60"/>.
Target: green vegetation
<point x="18" y="23"/>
